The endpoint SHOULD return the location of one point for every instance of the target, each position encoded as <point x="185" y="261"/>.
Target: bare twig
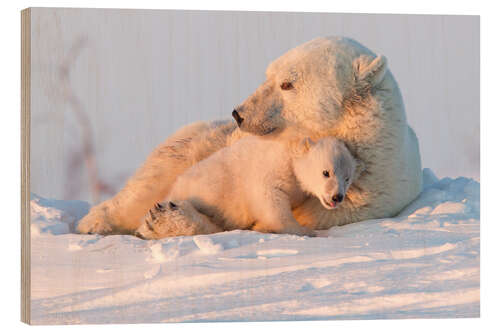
<point x="87" y="153"/>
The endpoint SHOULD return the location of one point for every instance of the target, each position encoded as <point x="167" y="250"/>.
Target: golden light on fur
<point x="340" y="89"/>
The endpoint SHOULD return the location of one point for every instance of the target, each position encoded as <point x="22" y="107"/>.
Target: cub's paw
<point x="95" y="222"/>
<point x="292" y="229"/>
<point x="299" y="230"/>
<point x="305" y="231"/>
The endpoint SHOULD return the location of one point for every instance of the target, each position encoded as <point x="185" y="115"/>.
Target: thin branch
<point x="87" y="153"/>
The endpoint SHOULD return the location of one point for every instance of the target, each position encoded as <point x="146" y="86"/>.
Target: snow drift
<point x="423" y="263"/>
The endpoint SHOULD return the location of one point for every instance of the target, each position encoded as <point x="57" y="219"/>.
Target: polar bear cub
<point x="253" y="184"/>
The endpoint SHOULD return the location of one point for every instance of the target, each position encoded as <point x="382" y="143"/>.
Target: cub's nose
<point x="237" y="117"/>
<point x="338" y="198"/>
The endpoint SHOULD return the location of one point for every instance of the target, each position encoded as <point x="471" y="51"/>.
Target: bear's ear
<point x="360" y="168"/>
<point x="305" y="145"/>
<point x="370" y="70"/>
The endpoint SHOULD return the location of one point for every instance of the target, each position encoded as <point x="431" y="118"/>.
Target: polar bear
<point x="254" y="184"/>
<point x="329" y="86"/>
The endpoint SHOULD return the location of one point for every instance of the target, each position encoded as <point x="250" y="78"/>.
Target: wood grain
<point x="25" y="164"/>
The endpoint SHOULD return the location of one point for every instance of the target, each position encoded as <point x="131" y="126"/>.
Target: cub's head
<point x="310" y="85"/>
<point x="169" y="219"/>
<point x="326" y="169"/>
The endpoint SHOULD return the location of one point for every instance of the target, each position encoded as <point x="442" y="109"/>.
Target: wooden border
<point x="25" y="165"/>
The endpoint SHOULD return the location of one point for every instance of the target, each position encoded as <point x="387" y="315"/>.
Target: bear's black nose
<point x="338" y="198"/>
<point x="237" y="117"/>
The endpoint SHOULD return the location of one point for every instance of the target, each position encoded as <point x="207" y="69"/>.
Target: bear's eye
<point x="326" y="173"/>
<point x="286" y="85"/>
<point x="172" y="206"/>
<point x="347" y="180"/>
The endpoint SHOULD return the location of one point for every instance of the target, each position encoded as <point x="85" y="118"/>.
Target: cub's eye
<point x="326" y="173"/>
<point x="347" y="180"/>
<point x="172" y="206"/>
<point x="286" y="85"/>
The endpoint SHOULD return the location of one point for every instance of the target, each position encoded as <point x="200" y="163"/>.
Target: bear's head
<point x="310" y="86"/>
<point x="326" y="169"/>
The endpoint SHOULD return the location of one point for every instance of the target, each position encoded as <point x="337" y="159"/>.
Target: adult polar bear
<point x="326" y="87"/>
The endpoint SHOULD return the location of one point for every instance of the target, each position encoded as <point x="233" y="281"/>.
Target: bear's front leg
<point x="275" y="216"/>
<point x="123" y="213"/>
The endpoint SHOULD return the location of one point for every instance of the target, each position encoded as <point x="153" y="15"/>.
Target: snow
<point x="423" y="263"/>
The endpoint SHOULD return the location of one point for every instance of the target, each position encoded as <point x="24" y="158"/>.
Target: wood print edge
<point x="25" y="165"/>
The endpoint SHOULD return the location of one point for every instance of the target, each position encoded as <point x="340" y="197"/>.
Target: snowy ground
<point x="424" y="263"/>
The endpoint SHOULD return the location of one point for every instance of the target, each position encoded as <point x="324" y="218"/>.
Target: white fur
<point x="254" y="184"/>
<point x="184" y="220"/>
<point x="340" y="89"/>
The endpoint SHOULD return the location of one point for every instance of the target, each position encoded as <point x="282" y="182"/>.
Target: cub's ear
<point x="360" y="168"/>
<point x="305" y="144"/>
<point x="370" y="70"/>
